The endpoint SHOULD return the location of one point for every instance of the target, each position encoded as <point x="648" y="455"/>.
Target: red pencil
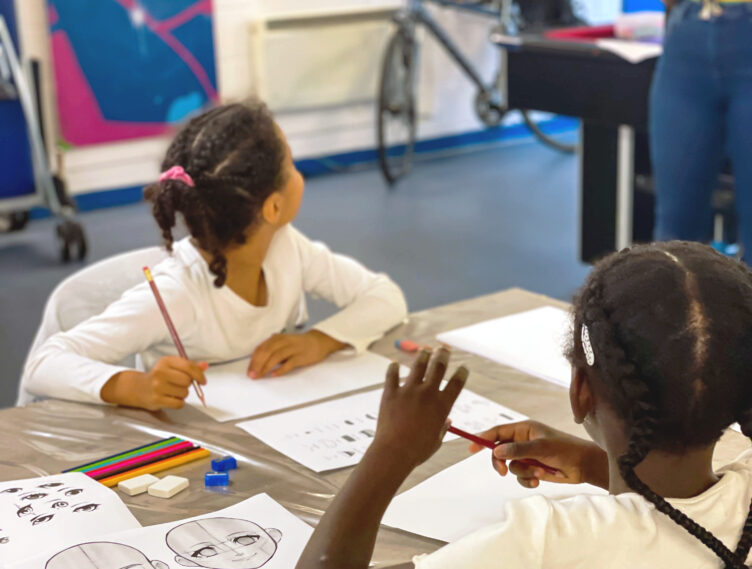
<point x="142" y="460"/>
<point x="492" y="445"/>
<point x="171" y="328"/>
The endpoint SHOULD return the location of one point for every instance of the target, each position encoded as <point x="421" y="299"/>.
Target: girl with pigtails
<point x="661" y="353"/>
<point x="235" y="287"/>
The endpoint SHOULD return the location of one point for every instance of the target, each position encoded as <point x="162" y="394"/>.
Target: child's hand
<point x="165" y="386"/>
<point x="413" y="417"/>
<point x="576" y="460"/>
<point x="285" y="352"/>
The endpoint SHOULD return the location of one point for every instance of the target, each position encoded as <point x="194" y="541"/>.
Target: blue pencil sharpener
<point x="216" y="479"/>
<point x="224" y="464"/>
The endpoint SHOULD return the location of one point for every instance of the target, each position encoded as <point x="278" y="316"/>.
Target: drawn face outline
<point x="102" y="555"/>
<point x="223" y="543"/>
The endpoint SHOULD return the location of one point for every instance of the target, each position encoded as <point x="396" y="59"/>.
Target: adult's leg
<point x="686" y="129"/>
<point x="738" y="75"/>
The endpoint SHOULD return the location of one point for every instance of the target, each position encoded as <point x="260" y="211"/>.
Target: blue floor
<point x="464" y="223"/>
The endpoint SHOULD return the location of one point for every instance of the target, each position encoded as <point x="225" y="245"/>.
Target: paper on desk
<point x="530" y="341"/>
<point x="632" y="51"/>
<point x="336" y="434"/>
<point x="256" y="532"/>
<point x="56" y="511"/>
<point x="231" y="395"/>
<point x="477" y="499"/>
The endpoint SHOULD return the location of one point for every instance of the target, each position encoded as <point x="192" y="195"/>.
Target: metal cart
<point x="49" y="190"/>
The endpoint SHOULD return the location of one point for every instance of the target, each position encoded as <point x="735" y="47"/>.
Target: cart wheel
<point x="397" y="115"/>
<point x="489" y="108"/>
<point x="72" y="241"/>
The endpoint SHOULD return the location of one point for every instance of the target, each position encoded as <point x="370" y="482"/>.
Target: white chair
<point x="87" y="293"/>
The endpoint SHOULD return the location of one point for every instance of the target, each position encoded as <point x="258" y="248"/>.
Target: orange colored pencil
<point x="171" y="328"/>
<point x="157" y="466"/>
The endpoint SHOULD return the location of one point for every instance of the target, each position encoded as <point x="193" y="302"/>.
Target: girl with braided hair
<point x="234" y="287"/>
<point x="661" y="353"/>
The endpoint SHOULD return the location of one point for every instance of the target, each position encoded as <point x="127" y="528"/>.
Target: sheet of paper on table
<point x="477" y="499"/>
<point x="531" y="341"/>
<point x="632" y="51"/>
<point x="254" y="533"/>
<point x="56" y="511"/>
<point x="336" y="434"/>
<point x="231" y="395"/>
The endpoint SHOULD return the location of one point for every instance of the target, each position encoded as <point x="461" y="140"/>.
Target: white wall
<point x="445" y="95"/>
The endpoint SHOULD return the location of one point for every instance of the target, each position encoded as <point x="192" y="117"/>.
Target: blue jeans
<point x="701" y="112"/>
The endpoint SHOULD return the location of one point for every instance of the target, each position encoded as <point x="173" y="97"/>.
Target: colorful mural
<point x="128" y="69"/>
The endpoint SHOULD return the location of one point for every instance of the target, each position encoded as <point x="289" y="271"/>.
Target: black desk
<point x="610" y="96"/>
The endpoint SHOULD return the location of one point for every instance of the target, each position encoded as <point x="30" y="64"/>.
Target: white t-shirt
<point x="215" y="324"/>
<point x="617" y="532"/>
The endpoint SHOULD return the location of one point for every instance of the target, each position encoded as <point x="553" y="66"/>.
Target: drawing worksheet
<point x="55" y="511"/>
<point x="257" y="532"/>
<point x="531" y="341"/>
<point x="231" y="395"/>
<point x="335" y="434"/>
<point x="477" y="499"/>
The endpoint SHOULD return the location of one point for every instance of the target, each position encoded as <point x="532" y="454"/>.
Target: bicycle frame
<point x="417" y="14"/>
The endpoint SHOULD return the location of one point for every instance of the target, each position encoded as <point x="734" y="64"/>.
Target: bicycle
<point x="397" y="108"/>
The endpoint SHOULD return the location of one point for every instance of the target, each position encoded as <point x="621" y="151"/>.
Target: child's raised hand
<point x="283" y="353"/>
<point x="413" y="416"/>
<point x="575" y="460"/>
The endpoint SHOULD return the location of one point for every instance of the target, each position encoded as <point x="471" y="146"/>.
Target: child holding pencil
<point x="234" y="288"/>
<point x="660" y="353"/>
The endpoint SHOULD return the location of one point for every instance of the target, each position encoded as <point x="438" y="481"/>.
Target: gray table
<point x="47" y="437"/>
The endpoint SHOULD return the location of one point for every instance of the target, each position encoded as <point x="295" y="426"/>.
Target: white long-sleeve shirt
<point x="214" y="324"/>
<point x="617" y="532"/>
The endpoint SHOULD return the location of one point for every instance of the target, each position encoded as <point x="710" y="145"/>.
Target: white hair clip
<point x="587" y="347"/>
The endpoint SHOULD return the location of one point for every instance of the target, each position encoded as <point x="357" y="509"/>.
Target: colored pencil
<point x="492" y="445"/>
<point x="115" y="457"/>
<point x="157" y="466"/>
<point x="141" y="460"/>
<point x="171" y="328"/>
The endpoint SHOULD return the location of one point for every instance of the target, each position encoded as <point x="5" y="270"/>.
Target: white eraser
<point x="137" y="485"/>
<point x="168" y="486"/>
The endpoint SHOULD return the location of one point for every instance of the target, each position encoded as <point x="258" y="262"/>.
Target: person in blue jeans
<point x="701" y="112"/>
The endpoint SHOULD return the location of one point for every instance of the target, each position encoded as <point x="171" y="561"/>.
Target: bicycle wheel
<point x="546" y="139"/>
<point x="397" y="116"/>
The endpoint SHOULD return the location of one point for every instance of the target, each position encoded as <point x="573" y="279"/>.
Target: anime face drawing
<point x="223" y="543"/>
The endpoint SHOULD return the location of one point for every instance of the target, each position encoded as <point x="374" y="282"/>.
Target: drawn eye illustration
<point x="86" y="508"/>
<point x="59" y="504"/>
<point x="34" y="496"/>
<point x="11" y="491"/>
<point x="25" y="511"/>
<point x="4" y="540"/>
<point x="42" y="519"/>
<point x="246" y="539"/>
<point x="74" y="492"/>
<point x="50" y="485"/>
<point x="206" y="551"/>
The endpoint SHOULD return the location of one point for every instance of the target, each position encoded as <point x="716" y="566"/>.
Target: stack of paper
<point x="531" y="341"/>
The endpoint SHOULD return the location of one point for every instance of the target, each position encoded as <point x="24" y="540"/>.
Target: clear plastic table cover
<point x="50" y="436"/>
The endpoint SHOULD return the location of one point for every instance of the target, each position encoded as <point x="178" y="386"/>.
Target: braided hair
<point x="235" y="156"/>
<point x="669" y="325"/>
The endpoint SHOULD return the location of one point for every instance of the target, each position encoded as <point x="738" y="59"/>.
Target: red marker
<point x="492" y="445"/>
<point x="171" y="328"/>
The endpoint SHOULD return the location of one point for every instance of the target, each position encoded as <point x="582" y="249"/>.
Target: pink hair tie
<point x="177" y="173"/>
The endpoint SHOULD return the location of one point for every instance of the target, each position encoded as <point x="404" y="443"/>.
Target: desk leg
<point x="598" y="190"/>
<point x="625" y="169"/>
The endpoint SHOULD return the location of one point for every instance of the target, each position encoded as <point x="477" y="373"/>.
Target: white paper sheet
<point x="231" y="395"/>
<point x="55" y="511"/>
<point x="477" y="499"/>
<point x="335" y="434"/>
<point x="254" y="533"/>
<point x="632" y="51"/>
<point x="530" y="341"/>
